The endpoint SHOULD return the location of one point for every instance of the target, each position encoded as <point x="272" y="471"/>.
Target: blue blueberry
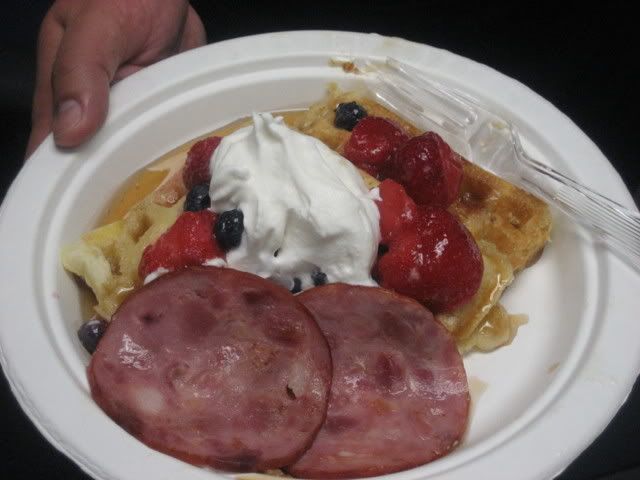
<point x="297" y="285"/>
<point x="348" y="115"/>
<point x="318" y="277"/>
<point x="229" y="228"/>
<point x="197" y="198"/>
<point x="91" y="332"/>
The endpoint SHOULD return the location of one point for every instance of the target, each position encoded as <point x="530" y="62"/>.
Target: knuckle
<point x="49" y="23"/>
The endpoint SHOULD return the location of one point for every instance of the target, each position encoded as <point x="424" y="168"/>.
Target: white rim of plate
<point x="587" y="391"/>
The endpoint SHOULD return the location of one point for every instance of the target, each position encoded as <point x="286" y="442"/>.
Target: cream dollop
<point x="305" y="207"/>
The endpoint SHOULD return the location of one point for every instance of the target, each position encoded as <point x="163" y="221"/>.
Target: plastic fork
<point x="492" y="142"/>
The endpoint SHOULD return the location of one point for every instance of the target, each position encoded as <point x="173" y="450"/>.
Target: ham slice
<point x="399" y="395"/>
<point x="216" y="367"/>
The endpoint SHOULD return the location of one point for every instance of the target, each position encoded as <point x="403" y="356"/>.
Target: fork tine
<point x="444" y="112"/>
<point x="459" y="106"/>
<point x="436" y="116"/>
<point x="404" y="106"/>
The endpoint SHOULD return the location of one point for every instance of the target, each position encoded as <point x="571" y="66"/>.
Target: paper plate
<point x="536" y="403"/>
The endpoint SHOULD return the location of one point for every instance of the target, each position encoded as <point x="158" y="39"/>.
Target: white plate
<point x="537" y="403"/>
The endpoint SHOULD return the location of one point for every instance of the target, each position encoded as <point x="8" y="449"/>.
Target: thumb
<point x="89" y="55"/>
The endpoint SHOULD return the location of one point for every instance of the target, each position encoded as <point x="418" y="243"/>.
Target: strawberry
<point x="196" y="167"/>
<point x="396" y="209"/>
<point x="429" y="170"/>
<point x="372" y="143"/>
<point x="435" y="260"/>
<point x="188" y="242"/>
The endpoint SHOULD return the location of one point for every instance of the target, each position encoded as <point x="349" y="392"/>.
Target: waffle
<point x="107" y="258"/>
<point x="510" y="226"/>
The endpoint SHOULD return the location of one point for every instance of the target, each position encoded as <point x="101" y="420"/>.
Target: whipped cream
<point x="305" y="207"/>
<point x="157" y="273"/>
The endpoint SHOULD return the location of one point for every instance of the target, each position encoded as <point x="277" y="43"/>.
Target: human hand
<point x="86" y="45"/>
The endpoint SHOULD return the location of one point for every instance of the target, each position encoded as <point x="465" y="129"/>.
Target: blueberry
<point x="318" y="277"/>
<point x="91" y="332"/>
<point x="348" y="115"/>
<point x="229" y="229"/>
<point x="197" y="198"/>
<point x="297" y="285"/>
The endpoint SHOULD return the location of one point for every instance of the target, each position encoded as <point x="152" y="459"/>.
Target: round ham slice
<point x="216" y="367"/>
<point x="399" y="396"/>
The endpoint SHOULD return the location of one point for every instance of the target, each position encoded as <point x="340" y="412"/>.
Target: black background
<point x="581" y="59"/>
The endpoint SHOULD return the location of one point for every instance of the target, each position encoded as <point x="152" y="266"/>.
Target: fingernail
<point x="68" y="115"/>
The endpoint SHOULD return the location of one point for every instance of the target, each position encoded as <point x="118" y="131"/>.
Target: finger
<point x="51" y="33"/>
<point x="194" y="34"/>
<point x="91" y="51"/>
<point x="126" y="70"/>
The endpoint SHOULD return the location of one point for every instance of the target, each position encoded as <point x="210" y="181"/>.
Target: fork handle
<point x="615" y="224"/>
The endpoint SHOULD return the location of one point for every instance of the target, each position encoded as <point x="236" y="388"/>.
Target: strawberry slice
<point x="372" y="143"/>
<point x="428" y="168"/>
<point x="196" y="168"/>
<point x="396" y="208"/>
<point x="434" y="260"/>
<point x="189" y="241"/>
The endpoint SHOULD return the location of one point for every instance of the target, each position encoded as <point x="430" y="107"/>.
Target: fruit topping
<point x="435" y="261"/>
<point x="373" y="142"/>
<point x="188" y="242"/>
<point x="229" y="229"/>
<point x="196" y="167"/>
<point x="429" y="170"/>
<point x="348" y="115"/>
<point x="197" y="198"/>
<point x="297" y="285"/>
<point x="318" y="277"/>
<point x="91" y="332"/>
<point x="396" y="209"/>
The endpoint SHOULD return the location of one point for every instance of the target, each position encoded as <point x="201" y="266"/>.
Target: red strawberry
<point x="396" y="209"/>
<point x="435" y="261"/>
<point x="196" y="168"/>
<point x="429" y="170"/>
<point x="372" y="142"/>
<point x="189" y="241"/>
